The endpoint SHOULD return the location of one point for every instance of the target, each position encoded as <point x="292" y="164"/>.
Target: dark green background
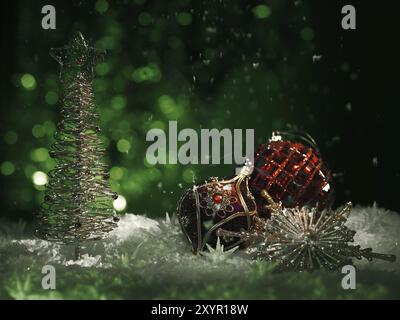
<point x="216" y="64"/>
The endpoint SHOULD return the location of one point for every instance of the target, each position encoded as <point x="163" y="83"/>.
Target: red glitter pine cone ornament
<point x="218" y="203"/>
<point x="292" y="173"/>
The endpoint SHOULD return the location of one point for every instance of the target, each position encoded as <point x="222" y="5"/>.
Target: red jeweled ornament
<point x="217" y="203"/>
<point x="292" y="173"/>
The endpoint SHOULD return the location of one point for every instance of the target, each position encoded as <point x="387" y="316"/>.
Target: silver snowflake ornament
<point x="303" y="239"/>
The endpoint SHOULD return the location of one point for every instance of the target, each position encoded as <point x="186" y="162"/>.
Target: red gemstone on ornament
<point x="217" y="198"/>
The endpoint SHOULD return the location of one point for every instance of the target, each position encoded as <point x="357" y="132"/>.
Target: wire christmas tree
<point x="78" y="199"/>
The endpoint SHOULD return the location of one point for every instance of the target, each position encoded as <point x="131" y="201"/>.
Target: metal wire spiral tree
<point x="78" y="199"/>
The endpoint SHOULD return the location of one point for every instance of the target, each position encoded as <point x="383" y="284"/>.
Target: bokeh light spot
<point x="38" y="131"/>
<point x="50" y="127"/>
<point x="39" y="178"/>
<point x="10" y="137"/>
<point x="184" y="18"/>
<point x="123" y="145"/>
<point x="7" y="168"/>
<point x="116" y="173"/>
<point x="154" y="174"/>
<point x="119" y="203"/>
<point x="118" y="102"/>
<point x="107" y="42"/>
<point x="101" y="6"/>
<point x="167" y="104"/>
<point x="28" y="81"/>
<point x="147" y="73"/>
<point x="51" y="97"/>
<point x="189" y="175"/>
<point x="39" y="154"/>
<point x="157" y="125"/>
<point x="103" y="68"/>
<point x="261" y="11"/>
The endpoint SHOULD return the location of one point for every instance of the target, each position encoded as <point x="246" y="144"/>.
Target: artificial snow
<point x="158" y="247"/>
<point x="378" y="229"/>
<point x="131" y="225"/>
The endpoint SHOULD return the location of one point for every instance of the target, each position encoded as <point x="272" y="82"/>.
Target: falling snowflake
<point x="316" y="57"/>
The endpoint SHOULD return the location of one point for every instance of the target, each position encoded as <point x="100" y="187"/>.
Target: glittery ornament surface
<point x="216" y="203"/>
<point x="293" y="174"/>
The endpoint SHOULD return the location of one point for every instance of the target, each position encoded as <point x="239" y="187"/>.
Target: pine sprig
<point x="218" y="254"/>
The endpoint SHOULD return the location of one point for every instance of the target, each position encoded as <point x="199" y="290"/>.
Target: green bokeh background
<point x="206" y="64"/>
